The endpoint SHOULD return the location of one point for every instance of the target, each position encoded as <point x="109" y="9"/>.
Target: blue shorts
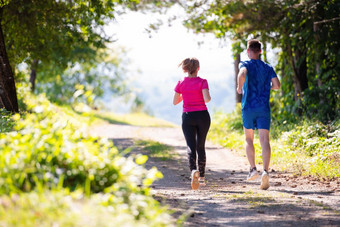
<point x="253" y="119"/>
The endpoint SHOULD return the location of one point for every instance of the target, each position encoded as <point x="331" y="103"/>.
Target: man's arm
<point x="177" y="98"/>
<point x="275" y="83"/>
<point x="241" y="78"/>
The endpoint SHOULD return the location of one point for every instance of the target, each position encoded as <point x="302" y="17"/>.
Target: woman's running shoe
<point x="195" y="174"/>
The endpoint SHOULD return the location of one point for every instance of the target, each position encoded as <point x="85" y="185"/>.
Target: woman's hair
<point x="190" y="65"/>
<point x="254" y="45"/>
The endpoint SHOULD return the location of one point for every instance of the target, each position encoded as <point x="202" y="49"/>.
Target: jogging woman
<point x="194" y="92"/>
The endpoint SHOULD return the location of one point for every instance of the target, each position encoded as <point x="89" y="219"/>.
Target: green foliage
<point x="64" y="208"/>
<point x="57" y="32"/>
<point x="322" y="102"/>
<point x="4" y="2"/>
<point x="229" y="122"/>
<point x="47" y="147"/>
<point x="52" y="165"/>
<point x="227" y="129"/>
<point x="52" y="36"/>
<point x="305" y="31"/>
<point x="6" y="121"/>
<point x="307" y="147"/>
<point x="319" y="144"/>
<point x="88" y="81"/>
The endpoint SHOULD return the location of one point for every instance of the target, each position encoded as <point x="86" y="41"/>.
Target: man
<point x="255" y="81"/>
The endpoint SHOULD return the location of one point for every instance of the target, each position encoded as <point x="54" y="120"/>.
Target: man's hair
<point x="254" y="45"/>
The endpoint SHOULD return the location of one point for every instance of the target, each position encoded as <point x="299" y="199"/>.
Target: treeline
<point x="307" y="34"/>
<point x="64" y="47"/>
<point x="60" y="48"/>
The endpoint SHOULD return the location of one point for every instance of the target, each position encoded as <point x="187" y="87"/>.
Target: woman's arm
<point x="177" y="98"/>
<point x="206" y="95"/>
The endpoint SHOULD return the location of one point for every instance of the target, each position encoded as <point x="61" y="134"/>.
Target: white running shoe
<point x="195" y="174"/>
<point x="253" y="174"/>
<point x="201" y="180"/>
<point x="264" y="181"/>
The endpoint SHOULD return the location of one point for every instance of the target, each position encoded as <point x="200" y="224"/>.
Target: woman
<point x="194" y="91"/>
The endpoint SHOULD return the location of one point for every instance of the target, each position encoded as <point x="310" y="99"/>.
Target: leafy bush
<point x="6" y="121"/>
<point x="318" y="144"/>
<point x="49" y="150"/>
<point x="63" y="208"/>
<point x="310" y="147"/>
<point x="47" y="147"/>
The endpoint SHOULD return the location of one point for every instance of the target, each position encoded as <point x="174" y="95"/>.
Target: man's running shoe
<point x="253" y="174"/>
<point x="264" y="181"/>
<point x="195" y="174"/>
<point x="201" y="180"/>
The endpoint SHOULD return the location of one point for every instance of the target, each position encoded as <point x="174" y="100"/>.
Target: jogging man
<point x="255" y="81"/>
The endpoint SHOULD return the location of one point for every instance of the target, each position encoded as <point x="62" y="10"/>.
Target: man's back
<point x="256" y="89"/>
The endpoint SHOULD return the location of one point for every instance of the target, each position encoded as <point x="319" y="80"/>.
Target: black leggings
<point x="195" y="126"/>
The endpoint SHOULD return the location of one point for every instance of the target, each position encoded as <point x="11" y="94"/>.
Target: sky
<point x="154" y="60"/>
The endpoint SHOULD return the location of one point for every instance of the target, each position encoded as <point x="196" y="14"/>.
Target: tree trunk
<point x="283" y="75"/>
<point x="33" y="75"/>
<point x="301" y="64"/>
<point x="299" y="71"/>
<point x="317" y="53"/>
<point x="237" y="59"/>
<point x="8" y="93"/>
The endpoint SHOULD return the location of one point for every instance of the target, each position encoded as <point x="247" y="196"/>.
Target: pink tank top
<point x="191" y="90"/>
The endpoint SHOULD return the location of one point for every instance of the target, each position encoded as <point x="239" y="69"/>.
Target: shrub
<point x="308" y="147"/>
<point x="6" y="121"/>
<point x="63" y="208"/>
<point x="318" y="143"/>
<point x="49" y="156"/>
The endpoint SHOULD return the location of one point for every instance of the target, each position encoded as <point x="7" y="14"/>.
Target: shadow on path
<point x="228" y="199"/>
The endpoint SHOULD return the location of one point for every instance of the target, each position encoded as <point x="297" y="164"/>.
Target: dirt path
<point x="227" y="199"/>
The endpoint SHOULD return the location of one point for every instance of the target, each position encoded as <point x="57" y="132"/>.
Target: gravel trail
<point x="228" y="199"/>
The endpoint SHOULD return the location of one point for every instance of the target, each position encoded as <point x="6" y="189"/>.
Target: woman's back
<point x="191" y="90"/>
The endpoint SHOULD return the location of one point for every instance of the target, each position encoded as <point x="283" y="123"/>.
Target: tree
<point x="8" y="96"/>
<point x="56" y="32"/>
<point x="87" y="81"/>
<point x="287" y="25"/>
<point x="48" y="32"/>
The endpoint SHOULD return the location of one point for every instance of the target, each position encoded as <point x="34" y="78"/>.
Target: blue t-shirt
<point x="256" y="88"/>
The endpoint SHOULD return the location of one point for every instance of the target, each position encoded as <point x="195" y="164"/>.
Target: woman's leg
<point x="203" y="128"/>
<point x="190" y="132"/>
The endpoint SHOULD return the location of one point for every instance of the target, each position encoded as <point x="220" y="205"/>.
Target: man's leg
<point x="266" y="150"/>
<point x="250" y="150"/>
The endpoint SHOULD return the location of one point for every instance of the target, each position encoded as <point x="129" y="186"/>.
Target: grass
<point x="253" y="199"/>
<point x="157" y="150"/>
<point x="137" y="119"/>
